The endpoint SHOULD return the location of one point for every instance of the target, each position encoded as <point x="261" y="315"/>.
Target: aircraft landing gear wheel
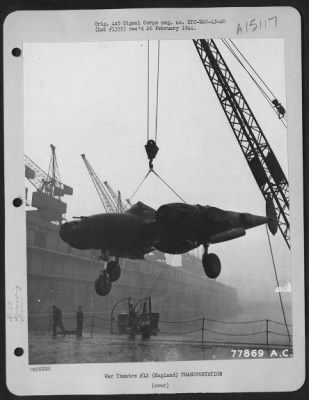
<point x="113" y="270"/>
<point x="103" y="284"/>
<point x="212" y="265"/>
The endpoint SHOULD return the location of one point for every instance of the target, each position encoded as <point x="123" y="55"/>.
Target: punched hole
<point x="16" y="52"/>
<point x="19" y="351"/>
<point x="17" y="202"/>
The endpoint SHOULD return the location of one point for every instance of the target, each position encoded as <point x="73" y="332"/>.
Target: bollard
<point x="92" y="325"/>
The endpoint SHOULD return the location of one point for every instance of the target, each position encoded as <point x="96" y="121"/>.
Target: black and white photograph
<point x="137" y="152"/>
<point x="156" y="200"/>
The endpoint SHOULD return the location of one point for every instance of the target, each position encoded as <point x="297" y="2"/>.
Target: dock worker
<point x="79" y="321"/>
<point x="145" y="327"/>
<point x="132" y="320"/>
<point x="57" y="320"/>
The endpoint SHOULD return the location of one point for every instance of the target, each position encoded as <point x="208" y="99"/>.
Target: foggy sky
<point x="91" y="98"/>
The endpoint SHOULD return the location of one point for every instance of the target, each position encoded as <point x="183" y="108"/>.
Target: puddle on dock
<point x="44" y="349"/>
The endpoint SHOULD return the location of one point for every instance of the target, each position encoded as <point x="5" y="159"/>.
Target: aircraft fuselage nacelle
<point x="200" y="223"/>
<point x="174" y="228"/>
<point x="119" y="234"/>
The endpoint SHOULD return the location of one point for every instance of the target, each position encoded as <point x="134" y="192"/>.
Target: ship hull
<point x="61" y="275"/>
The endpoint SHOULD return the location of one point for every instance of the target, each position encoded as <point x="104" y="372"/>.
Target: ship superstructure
<point x="59" y="274"/>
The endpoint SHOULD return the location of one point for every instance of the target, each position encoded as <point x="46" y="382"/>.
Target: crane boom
<point x="34" y="173"/>
<point x="48" y="183"/>
<point x="117" y="198"/>
<point x="49" y="189"/>
<point x="53" y="172"/>
<point x="257" y="151"/>
<point x="108" y="203"/>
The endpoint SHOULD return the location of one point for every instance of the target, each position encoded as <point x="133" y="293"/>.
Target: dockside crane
<point x="260" y="157"/>
<point x="116" y="197"/>
<point x="49" y="188"/>
<point x="107" y="196"/>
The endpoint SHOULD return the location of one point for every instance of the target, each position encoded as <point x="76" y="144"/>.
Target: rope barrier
<point x="278" y="323"/>
<point x="180" y="322"/>
<point x="234" y="334"/>
<point x="221" y="343"/>
<point x="93" y="325"/>
<point x="181" y="332"/>
<point x="224" y="343"/>
<point x="279" y="334"/>
<point x="235" y="322"/>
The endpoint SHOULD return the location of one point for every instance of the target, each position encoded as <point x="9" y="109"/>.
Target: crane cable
<point x="157" y="90"/>
<point x="242" y="55"/>
<point x="163" y="272"/>
<point x="229" y="47"/>
<point x="278" y="286"/>
<point x="267" y="97"/>
<point x="156" y="124"/>
<point x="161" y="179"/>
<point x="139" y="186"/>
<point x="263" y="92"/>
<point x="148" y="91"/>
<point x="157" y="98"/>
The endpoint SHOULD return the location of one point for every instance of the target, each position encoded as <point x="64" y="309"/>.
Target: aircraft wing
<point x="228" y="235"/>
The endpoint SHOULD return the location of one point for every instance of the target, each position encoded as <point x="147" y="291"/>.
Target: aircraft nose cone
<point x="66" y="232"/>
<point x="250" y="220"/>
<point x="75" y="235"/>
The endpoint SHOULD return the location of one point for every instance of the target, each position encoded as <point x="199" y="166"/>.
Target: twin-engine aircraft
<point x="174" y="228"/>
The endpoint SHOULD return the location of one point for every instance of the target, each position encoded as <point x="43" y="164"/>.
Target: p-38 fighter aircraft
<point x="174" y="228"/>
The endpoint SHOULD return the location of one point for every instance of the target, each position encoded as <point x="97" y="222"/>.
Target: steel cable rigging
<point x="151" y="145"/>
<point x="278" y="286"/>
<point x="264" y="93"/>
<point x="147" y="90"/>
<point x="258" y="153"/>
<point x="157" y="97"/>
<point x="270" y="96"/>
<point x="253" y="69"/>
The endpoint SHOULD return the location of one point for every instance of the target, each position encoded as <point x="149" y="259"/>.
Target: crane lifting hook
<point x="151" y="150"/>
